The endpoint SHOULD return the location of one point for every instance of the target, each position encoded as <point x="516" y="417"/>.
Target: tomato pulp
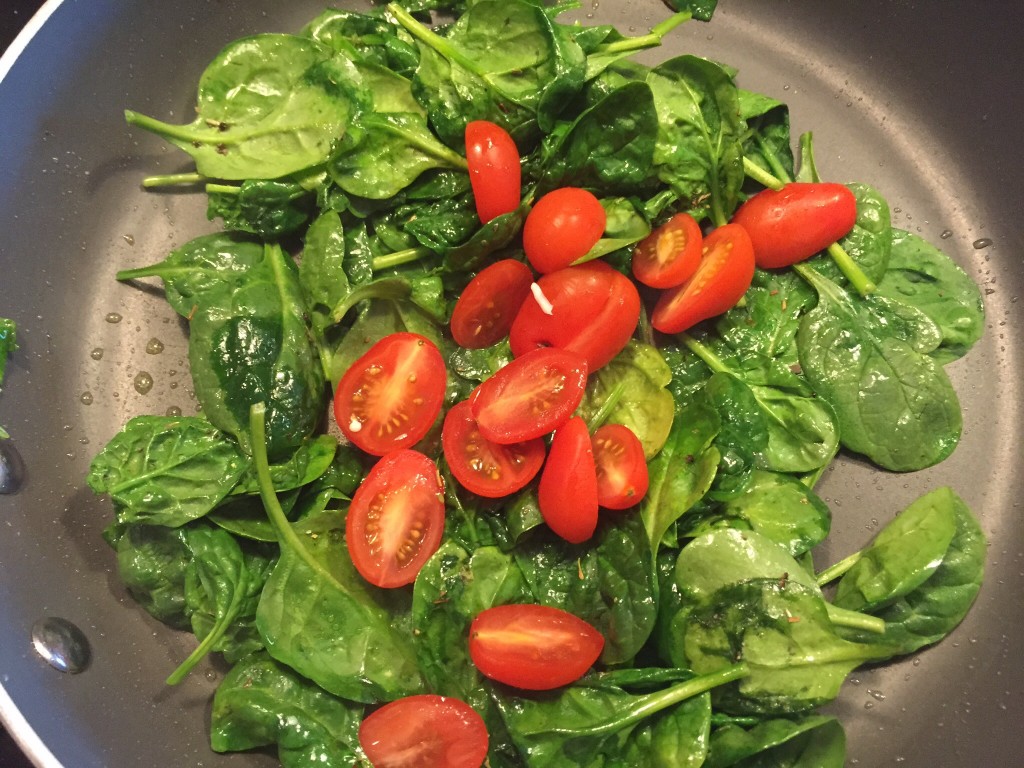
<point x="396" y="519"/>
<point x="425" y="731"/>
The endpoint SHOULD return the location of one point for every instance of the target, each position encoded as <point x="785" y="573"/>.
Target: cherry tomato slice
<point x="494" y="171"/>
<point x="396" y="518"/>
<point x="487" y="306"/>
<point x="484" y="467"/>
<point x="725" y="272"/>
<point x="562" y="227"/>
<point x="670" y="254"/>
<point x="594" y="312"/>
<point x="426" y="731"/>
<point x="797" y="221"/>
<point x="535" y="647"/>
<point x="567" y="493"/>
<point x="529" y="397"/>
<point x="390" y="397"/>
<point x="622" y="478"/>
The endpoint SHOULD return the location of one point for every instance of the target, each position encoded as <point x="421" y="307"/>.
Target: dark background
<point x="14" y="14"/>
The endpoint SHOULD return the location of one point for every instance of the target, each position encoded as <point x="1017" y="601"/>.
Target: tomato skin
<point x="561" y="227"/>
<point x="485" y="309"/>
<point x="396" y="519"/>
<point x="797" y="221"/>
<point x="622" y="478"/>
<point x="486" y="468"/>
<point x="534" y="647"/>
<point x="531" y="396"/>
<point x="567" y="493"/>
<point x="595" y="310"/>
<point x="389" y="398"/>
<point x="670" y="254"/>
<point x="725" y="272"/>
<point x="424" y="731"/>
<point x="494" y="170"/>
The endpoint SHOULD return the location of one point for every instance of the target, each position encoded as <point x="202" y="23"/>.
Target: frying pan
<point x="923" y="100"/>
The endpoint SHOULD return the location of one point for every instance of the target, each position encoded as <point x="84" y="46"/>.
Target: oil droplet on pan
<point x="113" y="317"/>
<point x="85" y="398"/>
<point x="62" y="644"/>
<point x="97" y="354"/>
<point x="143" y="382"/>
<point x="154" y="346"/>
<point x="174" y="411"/>
<point x="983" y="242"/>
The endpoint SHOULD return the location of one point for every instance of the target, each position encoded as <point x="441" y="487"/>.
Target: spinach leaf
<point x="934" y="609"/>
<point x="152" y="561"/>
<point x="8" y="342"/>
<point x="781" y="630"/>
<point x="922" y="276"/>
<point x="683" y="471"/>
<point x="269" y="209"/>
<point x="777" y="506"/>
<point x="698" y="152"/>
<point x="367" y="39"/>
<point x="894" y="404"/>
<point x="701" y="9"/>
<point x="903" y="555"/>
<point x="262" y="703"/>
<point x="631" y="390"/>
<point x="268" y="106"/>
<point x="815" y="741"/>
<point x="166" y="470"/>
<point x="248" y="344"/>
<point x="309" y="461"/>
<point x="331" y="626"/>
<point x="743" y="436"/>
<point x="767" y="141"/>
<point x="609" y="582"/>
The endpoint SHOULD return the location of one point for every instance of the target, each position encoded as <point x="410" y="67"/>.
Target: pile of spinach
<point x="342" y="146"/>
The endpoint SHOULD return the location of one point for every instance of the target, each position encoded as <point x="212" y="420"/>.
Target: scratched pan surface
<point x="916" y="98"/>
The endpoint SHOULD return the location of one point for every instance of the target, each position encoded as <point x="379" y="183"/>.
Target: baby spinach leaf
<point x="743" y="436"/>
<point x="269" y="209"/>
<point x="262" y="703"/>
<point x="894" y="404"/>
<point x="248" y="344"/>
<point x="903" y="555"/>
<point x="309" y="461"/>
<point x="268" y="106"/>
<point x="781" y="630"/>
<point x="815" y="741"/>
<point x="683" y="471"/>
<point x="367" y="39"/>
<point x="337" y="630"/>
<point x="608" y="582"/>
<point x="777" y="506"/>
<point x="767" y="140"/>
<point x="698" y="152"/>
<point x="151" y="561"/>
<point x="701" y="9"/>
<point x="166" y="470"/>
<point x="934" y="609"/>
<point x="631" y="390"/>
<point x="924" y="277"/>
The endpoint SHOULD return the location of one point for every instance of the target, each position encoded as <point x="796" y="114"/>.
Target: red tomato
<point x="670" y="254"/>
<point x="390" y="397"/>
<point x="484" y="312"/>
<point x="535" y="647"/>
<point x="396" y="519"/>
<point x="530" y="396"/>
<point x="594" y="311"/>
<point x="567" y="494"/>
<point x="494" y="170"/>
<point x="797" y="221"/>
<point x="621" y="467"/>
<point x="562" y="227"/>
<point x="426" y="731"/>
<point x="724" y="274"/>
<point x="481" y="466"/>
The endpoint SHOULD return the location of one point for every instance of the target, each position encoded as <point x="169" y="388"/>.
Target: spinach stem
<point x="773" y="160"/>
<point x="760" y="175"/>
<point x="842" y="617"/>
<point x="646" y="41"/>
<point x="379" y="289"/>
<point x="208" y="643"/>
<point x="223" y="189"/>
<point x="398" y="258"/>
<point x="601" y="414"/>
<point x="833" y="572"/>
<point x="172" y="179"/>
<point x="285" y="533"/>
<point x="433" y="40"/>
<point x="713" y="361"/>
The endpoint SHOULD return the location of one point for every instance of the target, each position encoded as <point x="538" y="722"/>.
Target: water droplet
<point x="143" y="382"/>
<point x="174" y="411"/>
<point x="62" y="644"/>
<point x="877" y="695"/>
<point x="946" y="234"/>
<point x="85" y="398"/>
<point x="154" y="346"/>
<point x="130" y="239"/>
<point x="113" y="317"/>
<point x="97" y="354"/>
<point x="12" y="468"/>
<point x="982" y="242"/>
